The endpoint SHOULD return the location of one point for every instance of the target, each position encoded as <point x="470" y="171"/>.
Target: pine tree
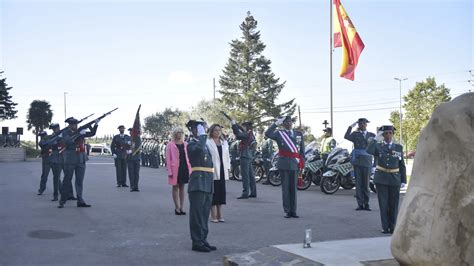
<point x="249" y="88"/>
<point x="7" y="106"/>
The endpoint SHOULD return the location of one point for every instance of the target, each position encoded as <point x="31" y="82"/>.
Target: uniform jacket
<point x="46" y="151"/>
<point x="120" y="145"/>
<point x="286" y="163"/>
<point x="172" y="161"/>
<point x="73" y="153"/>
<point x="359" y="155"/>
<point x="135" y="150"/>
<point x="267" y="149"/>
<point x="327" y="144"/>
<point x="216" y="160"/>
<point x="246" y="151"/>
<point x="388" y="158"/>
<point x="199" y="156"/>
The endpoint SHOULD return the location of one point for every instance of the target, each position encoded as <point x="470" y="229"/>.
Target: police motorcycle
<point x="313" y="170"/>
<point x="338" y="173"/>
<point x="371" y="180"/>
<point x="273" y="174"/>
<point x="258" y="168"/>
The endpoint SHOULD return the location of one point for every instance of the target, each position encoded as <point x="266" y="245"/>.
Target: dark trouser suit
<point x="121" y="171"/>
<point x="45" y="169"/>
<point x="69" y="170"/>
<point x="288" y="189"/>
<point x="248" y="177"/>
<point x="133" y="173"/>
<point x="199" y="208"/>
<point x="388" y="197"/>
<point x="57" y="168"/>
<point x="362" y="175"/>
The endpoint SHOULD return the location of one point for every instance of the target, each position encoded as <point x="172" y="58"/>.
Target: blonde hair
<point x="175" y="132"/>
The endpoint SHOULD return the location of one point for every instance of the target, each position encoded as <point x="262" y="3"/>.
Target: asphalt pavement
<point x="130" y="228"/>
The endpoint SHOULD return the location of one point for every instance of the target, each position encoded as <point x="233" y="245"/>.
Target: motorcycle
<point x="371" y="180"/>
<point x="259" y="169"/>
<point x="273" y="174"/>
<point x="313" y="170"/>
<point x="339" y="172"/>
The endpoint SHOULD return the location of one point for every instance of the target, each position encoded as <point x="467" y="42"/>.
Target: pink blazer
<point x="172" y="161"/>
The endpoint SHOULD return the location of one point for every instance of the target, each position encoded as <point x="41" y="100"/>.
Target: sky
<point x="99" y="55"/>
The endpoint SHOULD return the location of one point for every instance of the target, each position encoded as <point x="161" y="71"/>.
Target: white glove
<point x="115" y="156"/>
<point x="83" y="132"/>
<point x="96" y="121"/>
<point x="354" y="124"/>
<point x="129" y="151"/>
<point x="201" y="130"/>
<point x="403" y="185"/>
<point x="233" y="122"/>
<point x="129" y="142"/>
<point x="279" y="121"/>
<point x="379" y="136"/>
<point x="60" y="135"/>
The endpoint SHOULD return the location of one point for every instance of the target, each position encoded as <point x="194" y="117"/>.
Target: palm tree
<point x="39" y="117"/>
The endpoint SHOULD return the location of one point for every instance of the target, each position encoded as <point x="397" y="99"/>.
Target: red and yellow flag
<point x="346" y="35"/>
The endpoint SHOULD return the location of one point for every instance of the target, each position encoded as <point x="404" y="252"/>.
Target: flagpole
<point x="330" y="61"/>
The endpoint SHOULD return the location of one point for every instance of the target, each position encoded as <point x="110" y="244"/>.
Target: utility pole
<point x="330" y="60"/>
<point x="401" y="129"/>
<point x="214" y="87"/>
<point x="299" y="115"/>
<point x="65" y="116"/>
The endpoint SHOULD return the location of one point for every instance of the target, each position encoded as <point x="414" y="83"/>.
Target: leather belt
<point x="387" y="170"/>
<point x="203" y="169"/>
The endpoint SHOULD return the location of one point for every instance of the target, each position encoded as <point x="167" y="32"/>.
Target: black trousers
<point x="388" y="197"/>
<point x="288" y="188"/>
<point x="57" y="168"/>
<point x="362" y="175"/>
<point x="121" y="171"/>
<point x="78" y="170"/>
<point x="45" y="169"/>
<point x="133" y="173"/>
<point x="199" y="208"/>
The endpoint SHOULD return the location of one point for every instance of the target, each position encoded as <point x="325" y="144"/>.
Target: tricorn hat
<point x="130" y="129"/>
<point x="120" y="126"/>
<point x="387" y="128"/>
<point x="71" y="120"/>
<point x="53" y="125"/>
<point x="42" y="133"/>
<point x="247" y="123"/>
<point x="193" y="123"/>
<point x="363" y="120"/>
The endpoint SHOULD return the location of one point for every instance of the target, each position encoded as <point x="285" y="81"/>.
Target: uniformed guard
<point x="57" y="160"/>
<point x="247" y="149"/>
<point x="120" y="145"/>
<point x="234" y="156"/>
<point x="390" y="174"/>
<point x="361" y="161"/>
<point x="200" y="186"/>
<point x="290" y="160"/>
<point x="327" y="143"/>
<point x="46" y="161"/>
<point x="75" y="158"/>
<point x="133" y="161"/>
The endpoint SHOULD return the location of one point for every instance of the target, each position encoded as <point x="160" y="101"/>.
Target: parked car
<point x="100" y="149"/>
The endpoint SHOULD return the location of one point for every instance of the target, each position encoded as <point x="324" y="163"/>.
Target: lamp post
<point x="65" y="108"/>
<point x="401" y="129"/>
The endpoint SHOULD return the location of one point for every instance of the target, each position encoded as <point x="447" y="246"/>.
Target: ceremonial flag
<point x="346" y="35"/>
<point x="136" y="125"/>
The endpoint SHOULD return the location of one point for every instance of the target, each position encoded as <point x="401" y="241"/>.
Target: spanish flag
<point x="346" y="35"/>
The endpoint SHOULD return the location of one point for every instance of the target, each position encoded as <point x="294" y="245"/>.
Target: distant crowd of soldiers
<point x="154" y="152"/>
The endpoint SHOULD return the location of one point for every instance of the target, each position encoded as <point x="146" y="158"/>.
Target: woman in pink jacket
<point x="179" y="168"/>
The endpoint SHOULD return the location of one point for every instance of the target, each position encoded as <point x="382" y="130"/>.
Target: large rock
<point x="436" y="221"/>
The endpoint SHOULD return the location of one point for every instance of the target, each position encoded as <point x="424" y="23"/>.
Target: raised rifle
<point x="56" y="136"/>
<point x="230" y="119"/>
<point x="88" y="124"/>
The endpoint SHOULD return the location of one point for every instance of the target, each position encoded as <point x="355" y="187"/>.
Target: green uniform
<point x="200" y="189"/>
<point x="389" y="174"/>
<point x="247" y="153"/>
<point x="133" y="163"/>
<point x="120" y="145"/>
<point x="46" y="163"/>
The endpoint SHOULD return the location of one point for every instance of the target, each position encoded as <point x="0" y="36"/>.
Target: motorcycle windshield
<point x="336" y="152"/>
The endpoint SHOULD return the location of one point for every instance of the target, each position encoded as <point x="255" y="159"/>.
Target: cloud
<point x="180" y="77"/>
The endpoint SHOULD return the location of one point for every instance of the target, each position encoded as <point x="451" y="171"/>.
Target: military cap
<point x="120" y="126"/>
<point x="387" y="128"/>
<point x="71" y="120"/>
<point x="130" y="129"/>
<point x="363" y="120"/>
<point x="328" y="129"/>
<point x="42" y="133"/>
<point x="193" y="123"/>
<point x="247" y="123"/>
<point x="53" y="125"/>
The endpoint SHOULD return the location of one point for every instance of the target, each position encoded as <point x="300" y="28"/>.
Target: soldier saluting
<point x="201" y="186"/>
<point x="120" y="145"/>
<point x="390" y="173"/>
<point x="290" y="160"/>
<point x="75" y="158"/>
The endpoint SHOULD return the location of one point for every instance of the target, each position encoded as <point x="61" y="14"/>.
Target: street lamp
<point x="65" y="117"/>
<point x="401" y="129"/>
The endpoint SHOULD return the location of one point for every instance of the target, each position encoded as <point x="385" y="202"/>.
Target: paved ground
<point x="124" y="228"/>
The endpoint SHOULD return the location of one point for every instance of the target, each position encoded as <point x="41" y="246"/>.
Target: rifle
<point x="88" y="124"/>
<point x="230" y="119"/>
<point x="56" y="136"/>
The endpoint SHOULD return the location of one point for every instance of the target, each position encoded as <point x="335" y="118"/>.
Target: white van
<point x="100" y="149"/>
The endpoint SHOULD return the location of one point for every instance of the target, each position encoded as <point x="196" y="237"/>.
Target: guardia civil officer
<point x="46" y="160"/>
<point x="133" y="161"/>
<point x="75" y="159"/>
<point x="267" y="155"/>
<point x="247" y="148"/>
<point x="57" y="160"/>
<point x="120" y="144"/>
<point x="390" y="174"/>
<point x="327" y="143"/>
<point x="290" y="160"/>
<point x="200" y="186"/>
<point x="361" y="161"/>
